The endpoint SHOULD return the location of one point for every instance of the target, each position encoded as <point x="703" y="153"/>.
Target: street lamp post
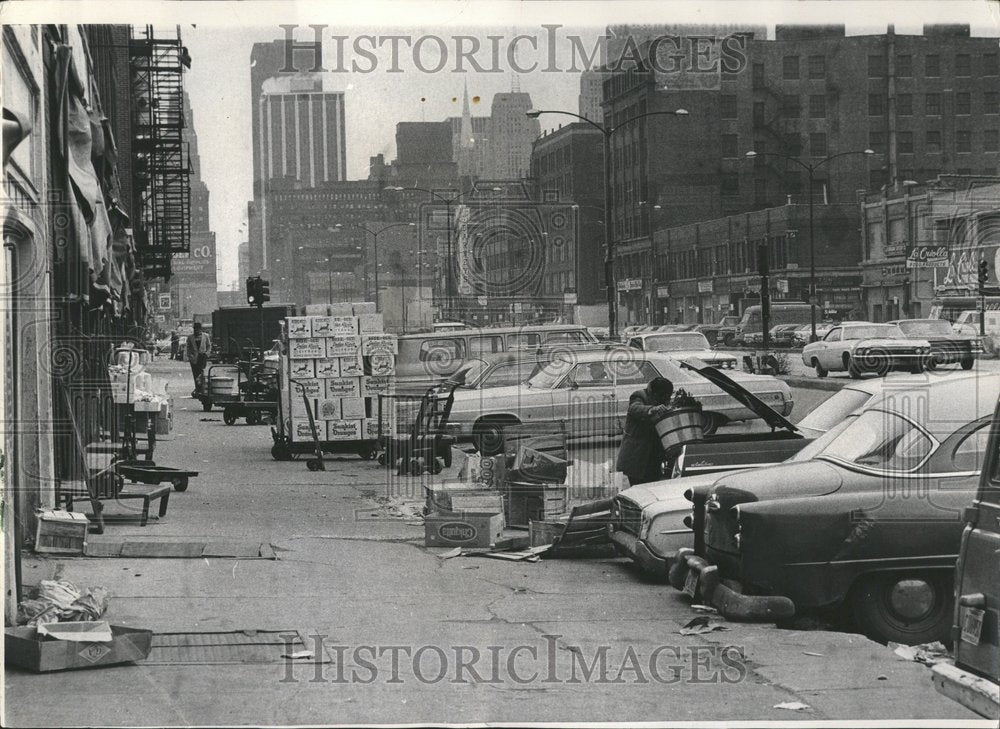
<point x="375" y="234"/>
<point x="609" y="258"/>
<point x="811" y="169"/>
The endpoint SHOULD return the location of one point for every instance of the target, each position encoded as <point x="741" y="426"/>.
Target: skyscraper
<point x="590" y="96"/>
<point x="511" y="136"/>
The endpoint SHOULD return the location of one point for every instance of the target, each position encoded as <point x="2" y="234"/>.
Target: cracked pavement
<point x="363" y="581"/>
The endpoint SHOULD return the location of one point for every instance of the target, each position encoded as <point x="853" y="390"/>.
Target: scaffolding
<point x="162" y="221"/>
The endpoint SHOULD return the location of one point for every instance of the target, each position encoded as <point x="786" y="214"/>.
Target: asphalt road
<point x="475" y="639"/>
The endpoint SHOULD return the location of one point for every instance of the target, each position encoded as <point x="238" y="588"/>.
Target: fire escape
<point x="162" y="205"/>
<point x="776" y="132"/>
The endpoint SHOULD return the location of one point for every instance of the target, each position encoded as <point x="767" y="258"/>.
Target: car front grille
<point x="629" y="515"/>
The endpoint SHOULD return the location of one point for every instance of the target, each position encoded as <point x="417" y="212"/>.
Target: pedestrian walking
<point x="196" y="350"/>
<point x="640" y="456"/>
<point x="175" y="345"/>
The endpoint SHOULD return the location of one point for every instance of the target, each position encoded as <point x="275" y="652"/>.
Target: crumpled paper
<point x="60" y="602"/>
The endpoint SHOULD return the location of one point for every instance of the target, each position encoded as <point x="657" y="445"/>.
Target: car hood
<point x="783" y="481"/>
<point x="698" y="354"/>
<point x="890" y="342"/>
<point x="649" y="494"/>
<point x="730" y="386"/>
<point x="497" y="393"/>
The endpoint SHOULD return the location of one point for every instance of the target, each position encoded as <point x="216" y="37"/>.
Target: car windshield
<point x="509" y="374"/>
<point x="547" y="377"/>
<point x="468" y="373"/>
<point x="832" y="410"/>
<point x="874" y="331"/>
<point x="925" y="328"/>
<point x="881" y="440"/>
<point x="819" y="444"/>
<point x="679" y="342"/>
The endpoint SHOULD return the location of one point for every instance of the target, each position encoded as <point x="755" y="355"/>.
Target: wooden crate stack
<point x="344" y="359"/>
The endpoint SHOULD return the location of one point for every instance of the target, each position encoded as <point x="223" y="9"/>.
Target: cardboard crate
<point x="327" y="367"/>
<point x="486" y="502"/>
<point x="312" y="348"/>
<point x="342" y="345"/>
<point x="363" y="307"/>
<point x="297" y="407"/>
<point x="462" y="530"/>
<point x="343" y="387"/>
<point x="439" y="495"/>
<point x="61" y="532"/>
<point x="370" y="324"/>
<point x="380" y="364"/>
<point x="340" y="309"/>
<point x="378" y="344"/>
<point x="373" y="386"/>
<point x="352" y="408"/>
<point x="301" y="431"/>
<point x="301" y="368"/>
<point x="539" y="504"/>
<point x="298" y="327"/>
<point x="328" y="408"/>
<point x="24" y="648"/>
<point x="311" y="386"/>
<point x="351" y="366"/>
<point x="343" y="430"/>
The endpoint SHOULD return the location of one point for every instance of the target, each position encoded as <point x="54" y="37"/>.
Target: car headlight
<point x="861" y="350"/>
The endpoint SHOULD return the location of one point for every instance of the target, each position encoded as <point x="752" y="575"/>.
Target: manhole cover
<point x="239" y="646"/>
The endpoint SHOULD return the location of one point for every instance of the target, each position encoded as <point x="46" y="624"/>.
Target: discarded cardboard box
<point x="24" y="648"/>
<point x="61" y="532"/>
<point x="481" y="503"/>
<point x="462" y="530"/>
<point x="439" y="495"/>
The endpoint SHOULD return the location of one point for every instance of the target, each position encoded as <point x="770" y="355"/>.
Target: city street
<point x="350" y="571"/>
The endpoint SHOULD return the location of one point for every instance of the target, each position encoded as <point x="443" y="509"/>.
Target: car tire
<point x="880" y="611"/>
<point x="488" y="436"/>
<point x="820" y="369"/>
<point x="853" y="371"/>
<point x="729" y="340"/>
<point x="968" y="362"/>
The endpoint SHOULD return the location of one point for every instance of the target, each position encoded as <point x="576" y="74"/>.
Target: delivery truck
<point x="239" y="331"/>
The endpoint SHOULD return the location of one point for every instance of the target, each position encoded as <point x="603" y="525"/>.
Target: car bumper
<point x="971" y="691"/>
<point x="693" y="574"/>
<point x="637" y="550"/>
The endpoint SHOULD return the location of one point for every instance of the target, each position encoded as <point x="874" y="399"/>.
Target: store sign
<point x="199" y="262"/>
<point x="163" y="301"/>
<point x="895" y="249"/>
<point x="897" y="269"/>
<point x="569" y="297"/>
<point x="927" y="257"/>
<point x="705" y="287"/>
<point x="663" y="292"/>
<point x="630" y="284"/>
<point x="783" y="285"/>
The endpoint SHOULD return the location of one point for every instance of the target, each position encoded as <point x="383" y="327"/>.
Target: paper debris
<point x="451" y="553"/>
<point x="792" y="706"/>
<point x="704" y="609"/>
<point x="701" y="624"/>
<point x="298" y="655"/>
<point x="929" y="653"/>
<point x="810" y="653"/>
<point x="82" y="632"/>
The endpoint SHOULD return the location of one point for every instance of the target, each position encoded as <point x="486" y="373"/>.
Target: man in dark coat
<point x="196" y="351"/>
<point x="640" y="456"/>
<point x="175" y="345"/>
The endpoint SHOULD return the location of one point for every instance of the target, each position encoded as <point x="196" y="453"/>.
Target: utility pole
<point x="764" y="268"/>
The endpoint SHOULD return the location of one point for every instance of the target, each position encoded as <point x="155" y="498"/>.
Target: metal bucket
<point x="680" y="426"/>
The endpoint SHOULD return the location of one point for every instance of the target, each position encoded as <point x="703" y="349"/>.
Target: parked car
<point x="782" y="335"/>
<point x="947" y="347"/>
<point x="651" y="522"/>
<point x="973" y="679"/>
<point x="860" y="347"/>
<point x="722" y="332"/>
<point x="590" y="394"/>
<point x="870" y="523"/>
<point x="503" y="370"/>
<point x="802" y="335"/>
<point x="425" y="359"/>
<point x="681" y="345"/>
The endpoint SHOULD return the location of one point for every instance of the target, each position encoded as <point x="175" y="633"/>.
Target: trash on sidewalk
<point x="456" y="552"/>
<point x="453" y="529"/>
<point x="701" y="624"/>
<point x="532" y="554"/>
<point x="61" y="532"/>
<point x="792" y="706"/>
<point x="81" y="632"/>
<point x="25" y="648"/>
<point x="62" y="602"/>
<point x="929" y="653"/>
<point x="298" y="655"/>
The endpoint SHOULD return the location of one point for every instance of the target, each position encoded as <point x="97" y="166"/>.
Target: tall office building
<point x="591" y="87"/>
<point x="511" y="134"/>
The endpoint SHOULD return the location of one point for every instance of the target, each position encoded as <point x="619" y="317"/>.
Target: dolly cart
<point x="258" y="394"/>
<point x="286" y="446"/>
<point x="425" y="446"/>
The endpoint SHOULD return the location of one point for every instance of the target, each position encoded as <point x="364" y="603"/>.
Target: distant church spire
<point x="465" y="140"/>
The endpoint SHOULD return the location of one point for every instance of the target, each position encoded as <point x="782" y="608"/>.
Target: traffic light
<point x="253" y="290"/>
<point x="984" y="272"/>
<point x="264" y="291"/>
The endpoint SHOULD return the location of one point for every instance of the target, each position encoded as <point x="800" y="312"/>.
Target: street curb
<point x="813" y="383"/>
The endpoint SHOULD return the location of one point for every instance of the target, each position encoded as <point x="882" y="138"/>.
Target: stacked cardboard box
<point x="342" y="358"/>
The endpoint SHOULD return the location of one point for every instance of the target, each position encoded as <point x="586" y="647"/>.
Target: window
<point x="876" y="141"/>
<point x="932" y="104"/>
<point x="904" y="66"/>
<point x="963" y="141"/>
<point x="758" y="75"/>
<point x="932" y="65"/>
<point x="991" y="140"/>
<point x="507" y="375"/>
<point x="883" y="440"/>
<point x="904" y="142"/>
<point x="833" y="335"/>
<point x="963" y="64"/>
<point x="575" y="336"/>
<point x="933" y="141"/>
<point x="991" y="102"/>
<point x="817" y="144"/>
<point x="968" y="454"/>
<point x="790" y="67"/>
<point x="793" y="143"/>
<point x="963" y="103"/>
<point x="790" y="106"/>
<point x="904" y="105"/>
<point x="626" y="372"/>
<point x="758" y="112"/>
<point x="876" y="66"/>
<point x="441" y="354"/>
<point x="727" y="106"/>
<point x="730" y="145"/>
<point x="817" y="106"/>
<point x="990" y="66"/>
<point x="876" y="104"/>
<point x="523" y="341"/>
<point x="817" y="66"/>
<point x="485" y="345"/>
